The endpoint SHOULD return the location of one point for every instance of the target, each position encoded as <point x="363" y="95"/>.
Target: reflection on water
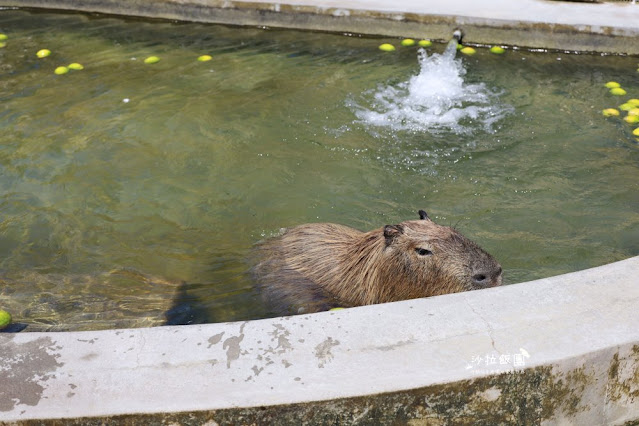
<point x="203" y="159"/>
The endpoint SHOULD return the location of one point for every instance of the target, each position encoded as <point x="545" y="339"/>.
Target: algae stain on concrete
<point x="214" y="340"/>
<point x="24" y="367"/>
<point x="522" y="397"/>
<point x="323" y="351"/>
<point x="528" y="396"/>
<point x="623" y="376"/>
<point x="232" y="346"/>
<point x="280" y="333"/>
<point x="272" y="353"/>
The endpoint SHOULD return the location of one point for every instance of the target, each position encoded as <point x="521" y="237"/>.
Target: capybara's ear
<point x="391" y="232"/>
<point x="423" y="215"/>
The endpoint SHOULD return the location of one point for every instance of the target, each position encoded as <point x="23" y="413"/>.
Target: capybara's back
<point x="318" y="266"/>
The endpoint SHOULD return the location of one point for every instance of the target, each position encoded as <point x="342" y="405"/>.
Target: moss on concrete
<point x="623" y="376"/>
<point x="525" y="397"/>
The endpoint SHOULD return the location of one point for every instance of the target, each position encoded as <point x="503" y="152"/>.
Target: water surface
<point x="128" y="189"/>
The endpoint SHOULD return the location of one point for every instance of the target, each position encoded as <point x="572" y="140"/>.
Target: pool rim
<point x="577" y="328"/>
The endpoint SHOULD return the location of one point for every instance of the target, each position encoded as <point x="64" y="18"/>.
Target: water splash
<point x="435" y="100"/>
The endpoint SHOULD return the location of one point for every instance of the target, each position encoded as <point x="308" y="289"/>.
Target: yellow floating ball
<point x="386" y="47"/>
<point x="460" y="46"/>
<point x="3" y="37"/>
<point x="610" y="112"/>
<point x="5" y="319"/>
<point x="152" y="60"/>
<point x="61" y="70"/>
<point x="75" y="66"/>
<point x="631" y="119"/>
<point x="617" y="91"/>
<point x="408" y="42"/>
<point x="425" y="43"/>
<point x="634" y="102"/>
<point x="497" y="50"/>
<point x="636" y="132"/>
<point x="204" y="58"/>
<point x="43" y="53"/>
<point x="634" y="111"/>
<point x="468" y="51"/>
<point x="626" y="106"/>
<point x="612" y="84"/>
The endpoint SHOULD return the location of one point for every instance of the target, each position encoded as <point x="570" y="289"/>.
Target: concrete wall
<point x="562" y="350"/>
<point x="606" y="27"/>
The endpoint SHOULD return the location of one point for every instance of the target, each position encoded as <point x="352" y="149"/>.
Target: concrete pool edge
<point x="605" y="28"/>
<point x="560" y="349"/>
<point x="423" y="361"/>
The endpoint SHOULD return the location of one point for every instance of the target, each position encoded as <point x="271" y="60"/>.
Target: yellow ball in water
<point x="610" y="112"/>
<point x="497" y="50"/>
<point x="617" y="91"/>
<point x="612" y="84"/>
<point x="75" y="66"/>
<point x="152" y="60"/>
<point x="5" y="319"/>
<point x="425" y="43"/>
<point x="636" y="132"/>
<point x="61" y="70"/>
<point x="204" y="58"/>
<point x="631" y="119"/>
<point x="634" y="102"/>
<point x="626" y="107"/>
<point x="3" y="37"/>
<point x="407" y="42"/>
<point x="634" y="111"/>
<point x="43" y="53"/>
<point x="468" y="51"/>
<point x="386" y="47"/>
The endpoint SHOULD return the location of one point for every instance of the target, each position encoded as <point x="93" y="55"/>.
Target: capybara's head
<point x="439" y="258"/>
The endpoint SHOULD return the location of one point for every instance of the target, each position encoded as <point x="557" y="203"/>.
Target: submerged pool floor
<point x="132" y="189"/>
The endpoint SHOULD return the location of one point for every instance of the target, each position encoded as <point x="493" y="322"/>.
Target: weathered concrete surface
<point x="606" y="27"/>
<point x="562" y="350"/>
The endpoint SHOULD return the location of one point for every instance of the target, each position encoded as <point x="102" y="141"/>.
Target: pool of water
<point x="130" y="190"/>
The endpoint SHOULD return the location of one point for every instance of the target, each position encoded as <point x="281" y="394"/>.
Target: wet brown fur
<point x="318" y="266"/>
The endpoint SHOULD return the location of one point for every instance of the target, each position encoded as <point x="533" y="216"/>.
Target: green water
<point x="172" y="171"/>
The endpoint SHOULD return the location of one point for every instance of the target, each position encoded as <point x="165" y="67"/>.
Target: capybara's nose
<point x="488" y="278"/>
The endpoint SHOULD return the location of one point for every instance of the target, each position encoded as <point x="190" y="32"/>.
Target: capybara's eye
<point x="423" y="251"/>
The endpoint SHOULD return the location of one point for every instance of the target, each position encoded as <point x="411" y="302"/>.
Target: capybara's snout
<point x="487" y="276"/>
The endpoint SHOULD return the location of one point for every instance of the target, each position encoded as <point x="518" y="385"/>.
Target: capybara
<point x="319" y="266"/>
